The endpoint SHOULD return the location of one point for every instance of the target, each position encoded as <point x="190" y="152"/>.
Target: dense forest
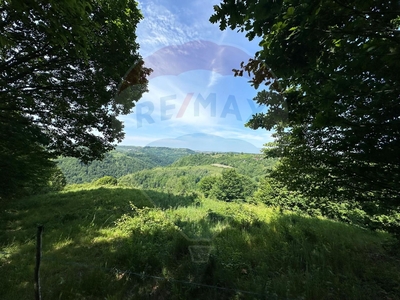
<point x="122" y="161"/>
<point x="179" y="171"/>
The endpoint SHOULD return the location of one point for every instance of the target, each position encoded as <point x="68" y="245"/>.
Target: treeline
<point x="225" y="176"/>
<point x="363" y="214"/>
<point x="178" y="180"/>
<point x="252" y="165"/>
<point x="221" y="176"/>
<point x="159" y="156"/>
<point x="211" y="181"/>
<point x="131" y="159"/>
<point x="125" y="160"/>
<point x="247" y="180"/>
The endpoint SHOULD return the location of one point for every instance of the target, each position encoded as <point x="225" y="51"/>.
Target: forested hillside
<point x="131" y="159"/>
<point x="227" y="176"/>
<point x="252" y="165"/>
<point x="170" y="179"/>
<point x="160" y="156"/>
<point x="125" y="160"/>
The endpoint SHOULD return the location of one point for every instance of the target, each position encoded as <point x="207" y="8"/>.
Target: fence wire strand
<point x="144" y="276"/>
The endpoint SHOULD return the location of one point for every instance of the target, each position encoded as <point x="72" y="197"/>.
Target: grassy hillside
<point x="124" y="160"/>
<point x="124" y="243"/>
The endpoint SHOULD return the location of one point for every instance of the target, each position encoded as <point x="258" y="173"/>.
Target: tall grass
<point x="104" y="242"/>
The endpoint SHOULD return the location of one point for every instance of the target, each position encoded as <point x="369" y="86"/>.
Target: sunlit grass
<point x="95" y="237"/>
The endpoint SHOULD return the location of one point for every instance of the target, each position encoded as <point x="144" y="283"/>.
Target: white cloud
<point x="175" y="22"/>
<point x="161" y="28"/>
<point x="130" y="140"/>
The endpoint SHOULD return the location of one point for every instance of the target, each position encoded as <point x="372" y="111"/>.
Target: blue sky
<point x="192" y="89"/>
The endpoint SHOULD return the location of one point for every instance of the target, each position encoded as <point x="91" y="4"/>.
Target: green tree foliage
<point x="332" y="69"/>
<point x="113" y="164"/>
<point x="106" y="180"/>
<point x="206" y="184"/>
<point x="197" y="172"/>
<point x="231" y="186"/>
<point x="57" y="180"/>
<point x="158" y="156"/>
<point x="61" y="81"/>
<point x="62" y="64"/>
<point x="249" y="186"/>
<point x="24" y="162"/>
<point x="364" y="214"/>
<point x="123" y="161"/>
<point x="178" y="180"/>
<point x="26" y="166"/>
<point x="252" y="165"/>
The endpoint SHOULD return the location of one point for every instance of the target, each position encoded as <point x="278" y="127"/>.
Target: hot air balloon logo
<point x="176" y="60"/>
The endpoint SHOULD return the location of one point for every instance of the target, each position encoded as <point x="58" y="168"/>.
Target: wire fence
<point x="141" y="275"/>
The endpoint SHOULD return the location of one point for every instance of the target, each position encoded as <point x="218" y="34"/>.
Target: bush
<point x="206" y="184"/>
<point x="106" y="180"/>
<point x="228" y="187"/>
<point x="57" y="181"/>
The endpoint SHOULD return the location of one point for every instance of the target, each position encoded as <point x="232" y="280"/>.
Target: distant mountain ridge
<point x="207" y="143"/>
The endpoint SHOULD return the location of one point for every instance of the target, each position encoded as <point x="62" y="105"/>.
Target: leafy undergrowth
<point x="122" y="243"/>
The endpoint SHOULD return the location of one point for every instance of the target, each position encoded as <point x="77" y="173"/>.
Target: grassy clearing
<point x="103" y="242"/>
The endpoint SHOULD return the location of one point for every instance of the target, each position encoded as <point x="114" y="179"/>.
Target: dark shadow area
<point x="166" y="200"/>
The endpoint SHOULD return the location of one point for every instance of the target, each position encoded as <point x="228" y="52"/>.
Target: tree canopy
<point x="334" y="91"/>
<point x="63" y="76"/>
<point x="61" y="66"/>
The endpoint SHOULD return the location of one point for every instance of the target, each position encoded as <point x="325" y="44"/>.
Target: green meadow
<point x="118" y="242"/>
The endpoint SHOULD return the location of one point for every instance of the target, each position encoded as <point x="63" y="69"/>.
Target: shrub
<point x="57" y="180"/>
<point x="229" y="186"/>
<point x="206" y="184"/>
<point x="106" y="180"/>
